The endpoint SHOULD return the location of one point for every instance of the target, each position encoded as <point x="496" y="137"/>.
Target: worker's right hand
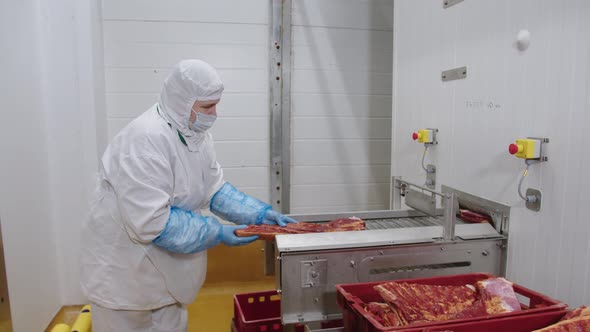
<point x="228" y="237"/>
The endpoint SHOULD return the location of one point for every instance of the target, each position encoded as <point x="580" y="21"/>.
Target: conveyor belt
<point x="406" y="222"/>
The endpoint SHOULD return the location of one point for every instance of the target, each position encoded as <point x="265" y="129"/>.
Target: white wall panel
<point x="335" y="208"/>
<point x="358" y="14"/>
<point x="242" y="154"/>
<point x="127" y="105"/>
<point x="341" y="174"/>
<point x="342" y="59"/>
<point x="327" y="81"/>
<point x="247" y="176"/>
<point x="227" y="11"/>
<point x="166" y="55"/>
<point x="341" y="152"/>
<point x="184" y="32"/>
<point x="350" y="128"/>
<point x="144" y="39"/>
<point x="341" y="105"/>
<point x="360" y="39"/>
<point x="248" y="129"/>
<point x="133" y="80"/>
<point x="508" y="94"/>
<point x="327" y="195"/>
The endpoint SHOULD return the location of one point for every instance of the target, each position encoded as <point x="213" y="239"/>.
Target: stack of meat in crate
<point x="459" y="303"/>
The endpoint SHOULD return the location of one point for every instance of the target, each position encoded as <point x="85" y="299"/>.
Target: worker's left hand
<point x="275" y="218"/>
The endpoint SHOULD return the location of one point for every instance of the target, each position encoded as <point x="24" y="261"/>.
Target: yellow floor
<point x="230" y="270"/>
<point x="213" y="309"/>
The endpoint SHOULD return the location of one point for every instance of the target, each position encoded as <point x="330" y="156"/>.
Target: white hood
<point x="189" y="81"/>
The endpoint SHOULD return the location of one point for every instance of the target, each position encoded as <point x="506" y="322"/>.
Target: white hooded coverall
<point x="154" y="163"/>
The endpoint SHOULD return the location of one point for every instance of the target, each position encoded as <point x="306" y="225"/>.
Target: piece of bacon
<point x="306" y="227"/>
<point x="581" y="311"/>
<point x="498" y="295"/>
<point x="268" y="232"/>
<point x="386" y="314"/>
<point x="428" y="303"/>
<point x="576" y="324"/>
<point x="345" y="224"/>
<point x="264" y="232"/>
<point x="473" y="217"/>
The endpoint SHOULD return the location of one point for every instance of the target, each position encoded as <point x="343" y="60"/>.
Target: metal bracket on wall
<point x="454" y="74"/>
<point x="533" y="204"/>
<point x="430" y="176"/>
<point x="280" y="114"/>
<point x="450" y="3"/>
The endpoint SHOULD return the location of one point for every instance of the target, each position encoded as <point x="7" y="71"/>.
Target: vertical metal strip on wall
<point x="280" y="113"/>
<point x="280" y="103"/>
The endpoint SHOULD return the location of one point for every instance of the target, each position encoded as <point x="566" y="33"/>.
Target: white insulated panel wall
<point x="341" y="105"/>
<point x="144" y="39"/>
<point x="508" y="94"/>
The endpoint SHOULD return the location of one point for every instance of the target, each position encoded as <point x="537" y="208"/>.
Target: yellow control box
<point x="526" y="148"/>
<point x="425" y="136"/>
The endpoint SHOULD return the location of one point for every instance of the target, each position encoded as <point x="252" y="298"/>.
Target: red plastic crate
<point x="258" y="312"/>
<point x="261" y="312"/>
<point x="356" y="319"/>
<point x="522" y="323"/>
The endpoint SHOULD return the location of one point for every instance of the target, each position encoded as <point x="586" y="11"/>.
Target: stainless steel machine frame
<point x="421" y="241"/>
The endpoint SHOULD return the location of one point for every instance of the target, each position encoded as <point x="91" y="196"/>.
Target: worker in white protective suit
<point x="145" y="244"/>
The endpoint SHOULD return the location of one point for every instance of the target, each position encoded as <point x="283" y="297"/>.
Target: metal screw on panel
<point x="278" y="188"/>
<point x="352" y="264"/>
<point x="485" y="252"/>
<point x="442" y="249"/>
<point x="314" y="274"/>
<point x="468" y="251"/>
<point x="316" y="300"/>
<point x="372" y="259"/>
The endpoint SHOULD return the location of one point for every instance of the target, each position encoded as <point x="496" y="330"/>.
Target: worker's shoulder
<point x="147" y="131"/>
<point x="148" y="124"/>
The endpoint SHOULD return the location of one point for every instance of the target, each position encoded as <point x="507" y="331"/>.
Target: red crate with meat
<point x="416" y="304"/>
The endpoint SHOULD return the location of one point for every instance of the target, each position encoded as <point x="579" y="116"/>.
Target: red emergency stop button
<point x="513" y="148"/>
<point x="414" y="136"/>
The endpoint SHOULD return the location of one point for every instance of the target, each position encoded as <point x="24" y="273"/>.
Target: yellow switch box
<point x="425" y="136"/>
<point x="526" y="148"/>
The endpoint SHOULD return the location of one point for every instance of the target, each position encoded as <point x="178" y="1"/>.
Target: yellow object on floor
<point x="61" y="328"/>
<point x="84" y="321"/>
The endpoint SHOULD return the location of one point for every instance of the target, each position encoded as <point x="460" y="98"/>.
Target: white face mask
<point x="202" y="122"/>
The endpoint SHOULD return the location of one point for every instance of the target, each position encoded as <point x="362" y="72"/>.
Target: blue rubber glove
<point x="228" y="237"/>
<point x="188" y="233"/>
<point x="275" y="218"/>
<point x="233" y="205"/>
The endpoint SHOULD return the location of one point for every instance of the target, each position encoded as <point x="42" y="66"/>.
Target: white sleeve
<point x="143" y="185"/>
